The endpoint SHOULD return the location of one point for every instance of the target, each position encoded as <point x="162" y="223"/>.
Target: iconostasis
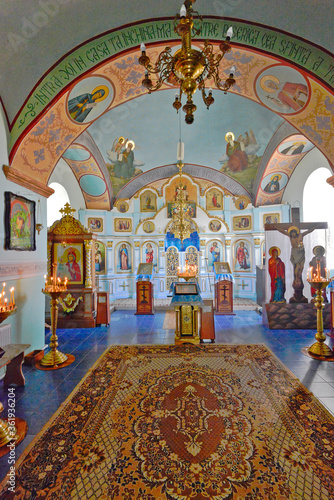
<point x="224" y="228"/>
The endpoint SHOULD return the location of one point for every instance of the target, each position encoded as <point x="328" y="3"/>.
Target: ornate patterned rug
<point x="183" y="422"/>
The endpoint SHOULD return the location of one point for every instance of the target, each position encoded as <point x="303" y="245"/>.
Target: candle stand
<point x="7" y="433"/>
<point x="188" y="273"/>
<point x="5" y="313"/>
<point x="319" y="348"/>
<point x="53" y="289"/>
<point x="54" y="357"/>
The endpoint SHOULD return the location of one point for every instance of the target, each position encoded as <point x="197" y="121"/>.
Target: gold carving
<point x="109" y="244"/>
<point x="69" y="303"/>
<point x="161" y="243"/>
<point x="88" y="248"/>
<point x="68" y="225"/>
<point x="257" y="241"/>
<point x="202" y="243"/>
<point x="137" y="244"/>
<point x="67" y="210"/>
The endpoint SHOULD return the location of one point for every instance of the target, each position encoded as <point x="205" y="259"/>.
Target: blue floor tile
<point x="46" y="390"/>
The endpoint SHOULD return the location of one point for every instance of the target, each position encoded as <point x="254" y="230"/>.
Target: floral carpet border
<point x="49" y="466"/>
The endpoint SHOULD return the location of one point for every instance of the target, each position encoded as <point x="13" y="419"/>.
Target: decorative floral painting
<point x="241" y="256"/>
<point x="69" y="262"/>
<point x="100" y="257"/>
<point x="214" y="199"/>
<point x="214" y="253"/>
<point x="19" y="223"/>
<point x="148" y="202"/>
<point x="123" y="255"/>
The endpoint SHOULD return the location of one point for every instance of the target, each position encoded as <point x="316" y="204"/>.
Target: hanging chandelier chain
<point x="188" y="67"/>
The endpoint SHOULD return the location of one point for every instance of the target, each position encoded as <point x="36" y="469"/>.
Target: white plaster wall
<point x="23" y="270"/>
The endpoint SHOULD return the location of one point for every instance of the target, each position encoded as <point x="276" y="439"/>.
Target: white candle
<point x="54" y="273"/>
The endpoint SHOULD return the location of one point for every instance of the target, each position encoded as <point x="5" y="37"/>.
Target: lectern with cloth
<point x="223" y="288"/>
<point x="187" y="302"/>
<point x="144" y="288"/>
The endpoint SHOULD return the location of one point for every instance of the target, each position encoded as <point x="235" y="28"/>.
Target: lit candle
<point x="11" y="300"/>
<point x="6" y="306"/>
<point x="3" y="288"/>
<point x="54" y="273"/>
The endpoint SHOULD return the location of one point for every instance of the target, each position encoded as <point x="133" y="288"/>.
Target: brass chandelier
<point x="181" y="218"/>
<point x="188" y="67"/>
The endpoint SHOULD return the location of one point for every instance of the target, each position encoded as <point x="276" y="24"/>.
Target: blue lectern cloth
<point x="224" y="276"/>
<point x="186" y="299"/>
<point x="331" y="286"/>
<point x="144" y="277"/>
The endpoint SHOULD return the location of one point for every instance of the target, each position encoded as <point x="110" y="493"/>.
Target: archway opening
<point x="55" y="202"/>
<point x="318" y="206"/>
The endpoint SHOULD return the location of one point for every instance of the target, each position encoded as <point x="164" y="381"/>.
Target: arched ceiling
<point x="44" y="131"/>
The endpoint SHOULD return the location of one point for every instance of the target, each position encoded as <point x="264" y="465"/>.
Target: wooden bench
<point x="12" y="358"/>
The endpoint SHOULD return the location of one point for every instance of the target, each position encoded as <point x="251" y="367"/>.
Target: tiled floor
<point x="46" y="390"/>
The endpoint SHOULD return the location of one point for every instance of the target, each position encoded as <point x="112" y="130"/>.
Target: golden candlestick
<point x="189" y="272"/>
<point x="5" y="313"/>
<point x="7" y="433"/>
<point x="319" y="348"/>
<point x="53" y="290"/>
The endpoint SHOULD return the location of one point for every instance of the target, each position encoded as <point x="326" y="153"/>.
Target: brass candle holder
<point x="189" y="272"/>
<point x="7" y="433"/>
<point x="53" y="289"/>
<point x="5" y="313"/>
<point x="319" y="348"/>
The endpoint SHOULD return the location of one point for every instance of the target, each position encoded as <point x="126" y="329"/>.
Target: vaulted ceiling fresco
<point x="91" y="110"/>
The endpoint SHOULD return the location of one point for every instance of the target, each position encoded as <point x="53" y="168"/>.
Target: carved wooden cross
<point x="294" y="230"/>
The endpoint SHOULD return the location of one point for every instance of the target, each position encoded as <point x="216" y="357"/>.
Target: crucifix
<point x="295" y="233"/>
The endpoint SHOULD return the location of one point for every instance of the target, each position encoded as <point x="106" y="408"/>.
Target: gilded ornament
<point x="69" y="303"/>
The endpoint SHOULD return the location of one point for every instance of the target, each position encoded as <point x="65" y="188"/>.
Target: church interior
<point x="129" y="173"/>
